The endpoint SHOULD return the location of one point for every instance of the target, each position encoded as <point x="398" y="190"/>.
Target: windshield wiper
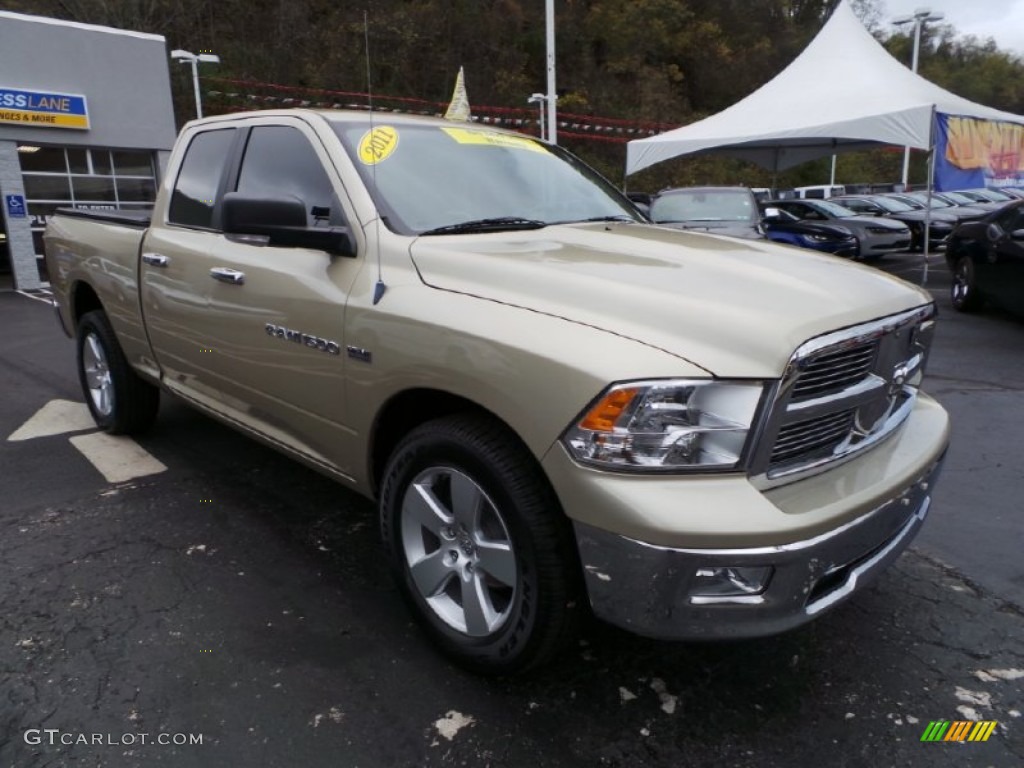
<point x="500" y="224"/>
<point x="616" y="217"/>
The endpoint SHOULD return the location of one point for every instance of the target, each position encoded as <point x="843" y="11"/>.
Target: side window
<point x="195" y="191"/>
<point x="280" y="161"/>
<point x="1018" y="223"/>
<point x="1012" y="219"/>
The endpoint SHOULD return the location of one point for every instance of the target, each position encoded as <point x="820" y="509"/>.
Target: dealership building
<point x="86" y="120"/>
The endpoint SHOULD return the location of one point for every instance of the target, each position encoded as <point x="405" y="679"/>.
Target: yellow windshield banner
<point x="492" y="139"/>
<point x="377" y="145"/>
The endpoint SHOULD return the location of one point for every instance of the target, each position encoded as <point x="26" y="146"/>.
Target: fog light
<point x="728" y="581"/>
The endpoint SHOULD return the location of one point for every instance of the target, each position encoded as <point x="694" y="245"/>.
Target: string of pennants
<point x="254" y="95"/>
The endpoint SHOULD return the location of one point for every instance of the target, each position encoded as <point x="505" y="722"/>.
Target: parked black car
<point x="965" y="211"/>
<point x="881" y="205"/>
<point x="986" y="258"/>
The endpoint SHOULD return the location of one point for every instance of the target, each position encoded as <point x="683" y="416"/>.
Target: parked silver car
<point x="875" y="236"/>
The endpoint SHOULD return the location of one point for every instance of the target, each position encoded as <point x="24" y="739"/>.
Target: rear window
<point x="195" y="191"/>
<point x="704" y="205"/>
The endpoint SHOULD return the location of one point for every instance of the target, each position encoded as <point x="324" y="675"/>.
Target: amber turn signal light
<point x="605" y="414"/>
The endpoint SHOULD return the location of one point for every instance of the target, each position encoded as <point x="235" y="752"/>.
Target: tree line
<point x="667" y="61"/>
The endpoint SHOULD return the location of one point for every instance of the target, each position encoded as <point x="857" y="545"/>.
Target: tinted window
<point x="133" y="164"/>
<point x="1013" y="219"/>
<point x="196" y="189"/>
<point x="43" y="160"/>
<point x="92" y="188"/>
<point x="279" y="161"/>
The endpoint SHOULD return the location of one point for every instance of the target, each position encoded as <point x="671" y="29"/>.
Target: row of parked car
<point x="982" y="230"/>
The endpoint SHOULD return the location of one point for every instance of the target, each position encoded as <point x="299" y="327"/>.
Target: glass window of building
<point x="73" y="177"/>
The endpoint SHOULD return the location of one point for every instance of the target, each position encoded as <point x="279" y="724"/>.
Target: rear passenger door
<point x="173" y="275"/>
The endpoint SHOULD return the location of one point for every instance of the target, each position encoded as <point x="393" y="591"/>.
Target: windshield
<point x="892" y="205"/>
<point x="995" y="196"/>
<point x="438" y="177"/>
<point x="957" y="198"/>
<point x="922" y="197"/>
<point x="831" y="209"/>
<point x="681" y="206"/>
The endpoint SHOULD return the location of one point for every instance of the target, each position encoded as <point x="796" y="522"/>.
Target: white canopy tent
<point x="844" y="92"/>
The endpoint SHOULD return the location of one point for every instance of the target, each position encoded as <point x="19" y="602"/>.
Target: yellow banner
<point x="489" y="138"/>
<point x="44" y="119"/>
<point x="994" y="146"/>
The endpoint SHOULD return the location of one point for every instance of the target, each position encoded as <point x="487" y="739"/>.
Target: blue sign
<point x="43" y="109"/>
<point x="15" y="206"/>
<point x="971" y="152"/>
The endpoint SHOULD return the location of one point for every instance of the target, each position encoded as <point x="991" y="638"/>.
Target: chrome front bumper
<point x="649" y="589"/>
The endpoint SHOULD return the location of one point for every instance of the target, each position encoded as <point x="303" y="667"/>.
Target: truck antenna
<point x="380" y="287"/>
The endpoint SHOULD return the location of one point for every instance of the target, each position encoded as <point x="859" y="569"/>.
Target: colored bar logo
<point x="43" y="109"/>
<point x="959" y="730"/>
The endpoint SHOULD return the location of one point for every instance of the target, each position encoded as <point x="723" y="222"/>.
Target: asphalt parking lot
<point x="234" y="596"/>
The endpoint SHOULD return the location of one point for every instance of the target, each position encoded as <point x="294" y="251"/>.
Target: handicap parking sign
<point x="15" y="206"/>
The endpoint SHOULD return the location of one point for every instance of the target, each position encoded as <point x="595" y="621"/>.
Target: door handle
<point x="155" y="259"/>
<point x="225" y="275"/>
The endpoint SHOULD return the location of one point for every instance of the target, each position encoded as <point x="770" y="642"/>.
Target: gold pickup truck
<point x="553" y="402"/>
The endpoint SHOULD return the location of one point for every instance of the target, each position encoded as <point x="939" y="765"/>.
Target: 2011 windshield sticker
<point x="377" y="144"/>
<point x="493" y="139"/>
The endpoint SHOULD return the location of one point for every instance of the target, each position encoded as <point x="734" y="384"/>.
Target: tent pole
<point x="928" y="211"/>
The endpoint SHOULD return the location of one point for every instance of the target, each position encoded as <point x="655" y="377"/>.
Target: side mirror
<point x="994" y="232"/>
<point x="282" y="221"/>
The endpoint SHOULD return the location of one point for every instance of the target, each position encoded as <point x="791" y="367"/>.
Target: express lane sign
<point x="43" y="109"/>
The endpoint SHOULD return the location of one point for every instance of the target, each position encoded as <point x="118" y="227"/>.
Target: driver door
<point x="276" y="314"/>
<point x="1006" y="257"/>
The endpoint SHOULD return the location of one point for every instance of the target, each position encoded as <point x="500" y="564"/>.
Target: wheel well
<point x="953" y="254"/>
<point x="83" y="299"/>
<point x="406" y="411"/>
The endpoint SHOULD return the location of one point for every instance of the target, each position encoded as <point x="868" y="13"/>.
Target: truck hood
<point x="737" y="308"/>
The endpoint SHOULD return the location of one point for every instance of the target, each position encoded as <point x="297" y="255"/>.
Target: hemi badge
<point x="358" y="353"/>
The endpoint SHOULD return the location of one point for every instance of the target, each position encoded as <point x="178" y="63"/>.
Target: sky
<point x="1002" y="20"/>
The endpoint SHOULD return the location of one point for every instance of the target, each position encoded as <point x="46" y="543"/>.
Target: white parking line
<point x="118" y="458"/>
<point x="55" y="418"/>
<point x="42" y="295"/>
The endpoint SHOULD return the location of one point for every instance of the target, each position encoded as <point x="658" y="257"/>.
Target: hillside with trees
<point x="628" y="66"/>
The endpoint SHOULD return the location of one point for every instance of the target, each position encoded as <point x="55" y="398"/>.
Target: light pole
<point x="920" y="17"/>
<point x="540" y="99"/>
<point x="187" y="57"/>
<point x="549" y="23"/>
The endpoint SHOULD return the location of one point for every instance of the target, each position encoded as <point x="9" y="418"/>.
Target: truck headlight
<point x="667" y="425"/>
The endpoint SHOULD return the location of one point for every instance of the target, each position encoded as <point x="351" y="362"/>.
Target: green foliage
<point x="666" y="61"/>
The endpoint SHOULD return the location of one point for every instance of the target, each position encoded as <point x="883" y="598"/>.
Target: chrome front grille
<point x="812" y="436"/>
<point x="843" y="392"/>
<point x="835" y="370"/>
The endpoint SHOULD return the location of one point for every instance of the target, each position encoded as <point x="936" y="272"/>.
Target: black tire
<point x="120" y="401"/>
<point x="537" y="614"/>
<point x="916" y="238"/>
<point x="963" y="291"/>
